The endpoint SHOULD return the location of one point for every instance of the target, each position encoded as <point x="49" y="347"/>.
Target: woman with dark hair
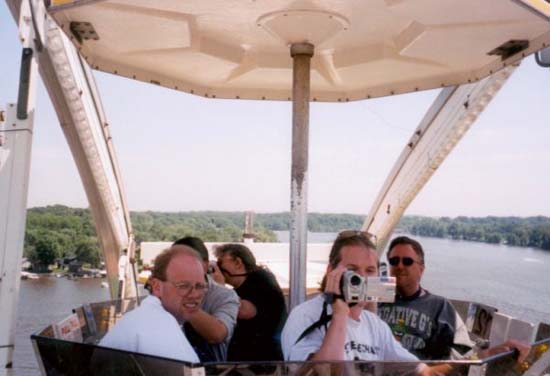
<point x="262" y="311"/>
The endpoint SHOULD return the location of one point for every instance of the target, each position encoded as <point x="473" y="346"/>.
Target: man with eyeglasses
<point x="427" y="324"/>
<point x="210" y="328"/>
<point x="178" y="287"/>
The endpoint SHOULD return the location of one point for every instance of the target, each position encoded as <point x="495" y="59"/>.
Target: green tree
<point x="493" y="238"/>
<point x="44" y="253"/>
<point x="87" y="251"/>
<point x="264" y="235"/>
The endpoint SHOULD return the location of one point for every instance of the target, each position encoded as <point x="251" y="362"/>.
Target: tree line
<point x="59" y="231"/>
<point x="208" y="225"/>
<point x="522" y="232"/>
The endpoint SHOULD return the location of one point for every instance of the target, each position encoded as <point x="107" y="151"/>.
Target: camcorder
<point x="211" y="268"/>
<point x="355" y="288"/>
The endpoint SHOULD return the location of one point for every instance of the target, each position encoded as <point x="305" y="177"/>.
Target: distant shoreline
<point x="228" y="226"/>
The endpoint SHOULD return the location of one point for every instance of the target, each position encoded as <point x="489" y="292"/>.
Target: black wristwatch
<point x="330" y="297"/>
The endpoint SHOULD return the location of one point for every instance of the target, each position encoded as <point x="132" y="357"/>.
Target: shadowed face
<point x="231" y="267"/>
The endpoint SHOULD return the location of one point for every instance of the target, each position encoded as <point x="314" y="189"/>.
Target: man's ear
<point x="239" y="262"/>
<point x="157" y="287"/>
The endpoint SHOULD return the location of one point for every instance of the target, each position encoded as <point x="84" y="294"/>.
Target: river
<point x="515" y="280"/>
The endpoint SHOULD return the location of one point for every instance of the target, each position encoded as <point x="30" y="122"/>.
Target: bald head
<point x="164" y="258"/>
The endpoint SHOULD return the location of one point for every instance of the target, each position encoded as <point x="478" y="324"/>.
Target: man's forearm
<point x="333" y="343"/>
<point x="208" y="327"/>
<point x="247" y="310"/>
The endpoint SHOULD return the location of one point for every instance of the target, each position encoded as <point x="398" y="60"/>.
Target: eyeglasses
<point x="185" y="288"/>
<point x="407" y="261"/>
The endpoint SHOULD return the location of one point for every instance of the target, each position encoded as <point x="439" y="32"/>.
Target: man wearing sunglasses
<point x="427" y="324"/>
<point x="178" y="287"/>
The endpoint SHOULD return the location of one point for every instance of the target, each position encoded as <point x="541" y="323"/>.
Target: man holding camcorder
<point x="328" y="327"/>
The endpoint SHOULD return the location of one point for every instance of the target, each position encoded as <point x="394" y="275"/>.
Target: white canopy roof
<point x="363" y="48"/>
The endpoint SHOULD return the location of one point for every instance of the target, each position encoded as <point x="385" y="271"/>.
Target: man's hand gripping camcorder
<point x="356" y="288"/>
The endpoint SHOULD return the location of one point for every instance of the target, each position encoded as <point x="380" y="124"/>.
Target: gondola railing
<point x="70" y="348"/>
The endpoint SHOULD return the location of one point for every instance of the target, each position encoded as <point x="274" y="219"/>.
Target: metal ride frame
<point x="71" y="87"/>
<point x="72" y="90"/>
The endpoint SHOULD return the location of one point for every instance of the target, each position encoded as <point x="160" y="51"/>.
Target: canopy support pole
<point x="301" y="54"/>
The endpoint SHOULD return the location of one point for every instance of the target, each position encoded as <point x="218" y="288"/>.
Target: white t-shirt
<point x="150" y="329"/>
<point x="367" y="339"/>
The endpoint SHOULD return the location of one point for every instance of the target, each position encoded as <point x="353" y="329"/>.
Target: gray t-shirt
<point x="222" y="303"/>
<point x="427" y="325"/>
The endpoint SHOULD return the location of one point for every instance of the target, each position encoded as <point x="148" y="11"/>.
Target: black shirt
<point x="258" y="338"/>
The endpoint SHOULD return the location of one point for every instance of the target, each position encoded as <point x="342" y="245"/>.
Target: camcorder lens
<point x="355" y="280"/>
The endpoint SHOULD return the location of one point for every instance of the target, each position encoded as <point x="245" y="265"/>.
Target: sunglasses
<point x="407" y="261"/>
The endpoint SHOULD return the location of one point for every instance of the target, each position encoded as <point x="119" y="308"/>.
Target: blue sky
<point x="181" y="152"/>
